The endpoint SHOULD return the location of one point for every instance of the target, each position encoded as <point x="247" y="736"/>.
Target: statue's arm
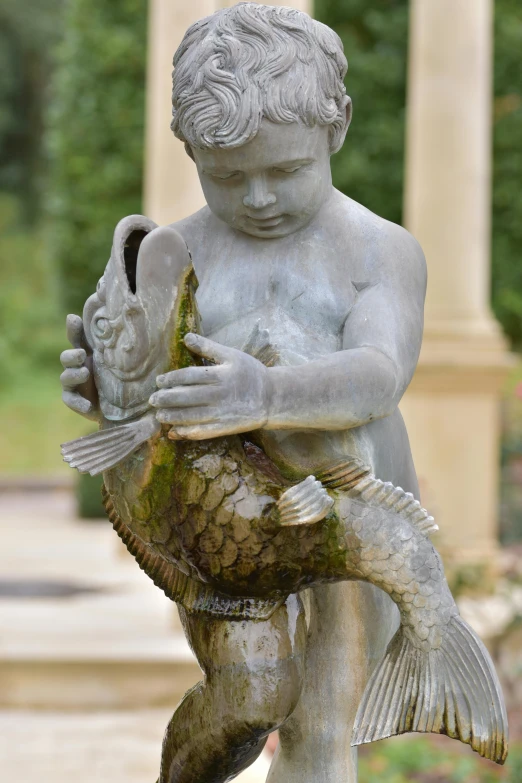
<point x="381" y="344"/>
<point x="364" y="381"/>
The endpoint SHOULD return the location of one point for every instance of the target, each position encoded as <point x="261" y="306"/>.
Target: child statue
<point x="257" y="476"/>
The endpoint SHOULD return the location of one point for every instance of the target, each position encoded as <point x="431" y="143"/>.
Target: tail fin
<point x="103" y="450"/>
<point x="452" y="690"/>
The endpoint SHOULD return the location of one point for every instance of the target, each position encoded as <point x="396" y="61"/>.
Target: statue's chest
<point x="273" y="291"/>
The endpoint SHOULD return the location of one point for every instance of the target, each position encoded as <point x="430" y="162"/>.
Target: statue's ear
<point x="188" y="150"/>
<point x="341" y="129"/>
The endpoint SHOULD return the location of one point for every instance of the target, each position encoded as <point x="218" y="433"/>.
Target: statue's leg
<point x="253" y="677"/>
<point x="350" y="625"/>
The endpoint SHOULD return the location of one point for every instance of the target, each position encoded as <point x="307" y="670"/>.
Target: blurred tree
<point x="95" y="136"/>
<point x="370" y="166"/>
<point x="507" y="169"/>
<point x="28" y="32"/>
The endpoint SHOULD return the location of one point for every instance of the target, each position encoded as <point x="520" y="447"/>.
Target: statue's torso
<point x="301" y="289"/>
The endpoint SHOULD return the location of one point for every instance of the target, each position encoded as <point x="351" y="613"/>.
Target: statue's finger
<point x="184" y="417"/>
<point x="202" y="346"/>
<point x="75" y="332"/>
<point x="73" y="357"/>
<point x="72" y="377"/>
<point x="185" y="397"/>
<point x="77" y="403"/>
<point x="188" y="376"/>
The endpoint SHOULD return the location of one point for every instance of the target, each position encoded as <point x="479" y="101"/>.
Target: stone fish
<point x="222" y="529"/>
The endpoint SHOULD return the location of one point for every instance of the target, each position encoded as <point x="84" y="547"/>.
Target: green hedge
<point x="507" y="169"/>
<point x="95" y="137"/>
<point x="369" y="168"/>
<point x="28" y="33"/>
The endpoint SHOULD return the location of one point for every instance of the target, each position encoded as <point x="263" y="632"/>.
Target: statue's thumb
<point x="208" y="349"/>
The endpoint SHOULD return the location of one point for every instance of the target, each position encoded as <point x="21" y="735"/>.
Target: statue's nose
<point x="258" y="195"/>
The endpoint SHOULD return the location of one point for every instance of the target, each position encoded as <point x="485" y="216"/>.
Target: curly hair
<point x="250" y="62"/>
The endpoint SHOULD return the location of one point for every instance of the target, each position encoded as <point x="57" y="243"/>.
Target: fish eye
<point x="102" y="328"/>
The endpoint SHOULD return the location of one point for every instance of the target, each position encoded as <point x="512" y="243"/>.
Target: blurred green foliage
<point x="28" y="32"/>
<point x="369" y="168"/>
<point x="89" y="497"/>
<point x="30" y="329"/>
<point x="414" y="759"/>
<point x="507" y="170"/>
<point x="95" y="137"/>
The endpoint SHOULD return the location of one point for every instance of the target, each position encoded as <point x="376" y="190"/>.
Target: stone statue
<point x="245" y="366"/>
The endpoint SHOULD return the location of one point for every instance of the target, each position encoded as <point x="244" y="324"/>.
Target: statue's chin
<point x="272" y="228"/>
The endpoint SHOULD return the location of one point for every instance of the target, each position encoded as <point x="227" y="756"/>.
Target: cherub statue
<point x="245" y="366"/>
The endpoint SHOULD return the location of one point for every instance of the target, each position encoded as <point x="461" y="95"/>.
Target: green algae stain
<point x="186" y="320"/>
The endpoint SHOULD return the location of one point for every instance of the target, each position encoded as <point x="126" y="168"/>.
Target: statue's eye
<point x="102" y="328"/>
<point x="291" y="170"/>
<point x="228" y="175"/>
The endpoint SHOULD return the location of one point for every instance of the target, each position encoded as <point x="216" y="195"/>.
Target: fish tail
<point x="107" y="448"/>
<point x="451" y="690"/>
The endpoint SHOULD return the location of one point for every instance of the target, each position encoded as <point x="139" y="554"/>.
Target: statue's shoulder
<point x="196" y="229"/>
<point x="379" y="243"/>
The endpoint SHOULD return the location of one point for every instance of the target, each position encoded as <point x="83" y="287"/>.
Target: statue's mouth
<point x="270" y="222"/>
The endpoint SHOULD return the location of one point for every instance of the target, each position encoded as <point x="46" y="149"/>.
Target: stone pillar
<point x="451" y="408"/>
<point x="171" y="186"/>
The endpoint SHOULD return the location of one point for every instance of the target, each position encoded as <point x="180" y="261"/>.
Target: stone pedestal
<point x="451" y="408"/>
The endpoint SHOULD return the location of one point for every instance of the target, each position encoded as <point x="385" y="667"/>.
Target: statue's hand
<point x="79" y="392"/>
<point x="207" y="402"/>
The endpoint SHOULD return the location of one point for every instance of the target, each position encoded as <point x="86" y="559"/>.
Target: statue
<point x="245" y="366"/>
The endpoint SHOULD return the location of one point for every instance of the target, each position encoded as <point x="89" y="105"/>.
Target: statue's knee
<point x="266" y="698"/>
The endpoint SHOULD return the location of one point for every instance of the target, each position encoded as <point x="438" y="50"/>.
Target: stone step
<point x="96" y="747"/>
<point x="82" y="626"/>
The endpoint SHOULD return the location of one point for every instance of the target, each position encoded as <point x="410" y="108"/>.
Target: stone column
<point x="171" y="186"/>
<point x="451" y="409"/>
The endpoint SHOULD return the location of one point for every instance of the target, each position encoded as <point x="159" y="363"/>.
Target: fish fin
<point x="105" y="449"/>
<point x="386" y="495"/>
<point x="356" y="477"/>
<point x="259" y="346"/>
<point x="304" y="503"/>
<point x="344" y="475"/>
<point x="452" y="690"/>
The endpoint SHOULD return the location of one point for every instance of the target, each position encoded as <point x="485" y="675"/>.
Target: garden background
<point x="72" y="82"/>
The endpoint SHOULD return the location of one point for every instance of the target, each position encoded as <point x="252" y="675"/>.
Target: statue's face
<point x="271" y="186"/>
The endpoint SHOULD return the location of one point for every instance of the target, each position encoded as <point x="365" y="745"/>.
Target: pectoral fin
<point x="305" y="503"/>
<point x="105" y="449"/>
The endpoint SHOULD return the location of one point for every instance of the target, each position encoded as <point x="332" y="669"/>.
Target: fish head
<point x="129" y="320"/>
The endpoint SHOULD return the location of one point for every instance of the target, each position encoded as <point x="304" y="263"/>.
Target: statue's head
<point x="259" y="100"/>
